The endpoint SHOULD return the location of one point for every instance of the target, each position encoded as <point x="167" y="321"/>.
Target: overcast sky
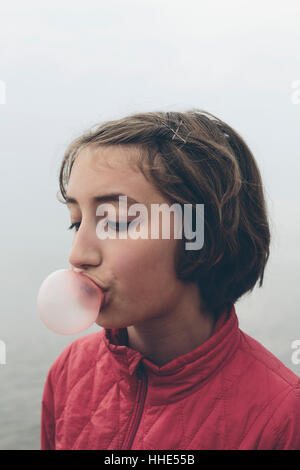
<point x="69" y="65"/>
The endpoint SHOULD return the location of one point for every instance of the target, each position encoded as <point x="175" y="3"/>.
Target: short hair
<point x="193" y="157"/>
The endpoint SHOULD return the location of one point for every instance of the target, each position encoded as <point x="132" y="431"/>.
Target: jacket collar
<point x="181" y="375"/>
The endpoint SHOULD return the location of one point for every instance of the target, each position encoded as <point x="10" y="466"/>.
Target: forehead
<point x="108" y="169"/>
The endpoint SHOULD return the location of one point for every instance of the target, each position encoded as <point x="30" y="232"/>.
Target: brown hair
<point x="193" y="157"/>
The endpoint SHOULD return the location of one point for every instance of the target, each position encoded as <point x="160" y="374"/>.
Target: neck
<point x="167" y="336"/>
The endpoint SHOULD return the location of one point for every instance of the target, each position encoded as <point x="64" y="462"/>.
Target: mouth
<point x="95" y="281"/>
<point x="104" y="290"/>
<point x="100" y="285"/>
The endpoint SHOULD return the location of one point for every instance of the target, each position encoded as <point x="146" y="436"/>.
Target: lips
<point x="105" y="289"/>
<point x="98" y="284"/>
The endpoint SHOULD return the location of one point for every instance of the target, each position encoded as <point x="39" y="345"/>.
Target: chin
<point x="109" y="322"/>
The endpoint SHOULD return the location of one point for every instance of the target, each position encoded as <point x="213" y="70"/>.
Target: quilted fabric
<point x="229" y="393"/>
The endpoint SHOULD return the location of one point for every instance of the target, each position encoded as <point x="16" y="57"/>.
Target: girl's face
<point x="139" y="273"/>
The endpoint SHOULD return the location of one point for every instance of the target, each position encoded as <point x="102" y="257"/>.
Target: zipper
<point x="138" y="411"/>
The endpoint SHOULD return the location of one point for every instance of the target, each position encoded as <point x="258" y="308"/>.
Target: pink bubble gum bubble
<point x="69" y="302"/>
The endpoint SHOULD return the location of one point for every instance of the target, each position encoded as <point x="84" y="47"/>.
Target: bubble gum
<point x="68" y="302"/>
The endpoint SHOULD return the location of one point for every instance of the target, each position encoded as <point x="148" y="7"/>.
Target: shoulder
<point x="265" y="364"/>
<point x="269" y="393"/>
<point x="261" y="399"/>
<point x="72" y="371"/>
<point x="78" y="358"/>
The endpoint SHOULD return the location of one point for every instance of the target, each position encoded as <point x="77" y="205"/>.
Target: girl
<point x="170" y="368"/>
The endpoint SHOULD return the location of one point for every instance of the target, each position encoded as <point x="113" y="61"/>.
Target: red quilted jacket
<point x="229" y="393"/>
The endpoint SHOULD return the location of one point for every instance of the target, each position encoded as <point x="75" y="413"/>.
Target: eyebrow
<point x="104" y="198"/>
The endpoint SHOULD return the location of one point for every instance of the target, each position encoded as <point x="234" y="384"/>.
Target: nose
<point x="86" y="247"/>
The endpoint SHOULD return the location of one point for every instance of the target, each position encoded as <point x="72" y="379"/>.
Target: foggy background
<point x="65" y="66"/>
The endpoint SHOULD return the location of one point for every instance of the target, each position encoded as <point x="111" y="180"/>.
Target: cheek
<point x="145" y="262"/>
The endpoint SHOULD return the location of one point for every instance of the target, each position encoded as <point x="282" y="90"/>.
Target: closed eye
<point x="119" y="226"/>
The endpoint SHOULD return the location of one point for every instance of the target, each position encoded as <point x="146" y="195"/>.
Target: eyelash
<point x="117" y="225"/>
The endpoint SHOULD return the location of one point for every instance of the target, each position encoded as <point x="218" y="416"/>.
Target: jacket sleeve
<point x="282" y="431"/>
<point x="48" y="415"/>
